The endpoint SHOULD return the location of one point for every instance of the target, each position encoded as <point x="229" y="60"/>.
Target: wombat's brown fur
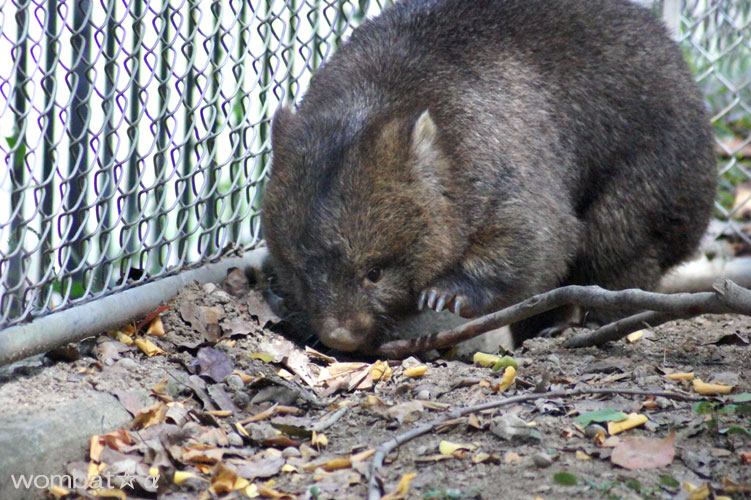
<point x="468" y="154"/>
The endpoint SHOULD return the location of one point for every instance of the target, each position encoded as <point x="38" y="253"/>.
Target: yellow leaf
<point x="268" y="492"/>
<point x="122" y="337"/>
<point x="240" y="484"/>
<point x="156" y="328"/>
<point x="58" y="491"/>
<point x="148" y="347"/>
<point x="263" y="356"/>
<point x="241" y="430"/>
<point x="416" y="371"/>
<point x="245" y="377"/>
<point x="448" y="448"/>
<point x="380" y="370"/>
<point x="181" y="476"/>
<point x="289" y="468"/>
<point x="705" y="388"/>
<point x="635" y="336"/>
<point x="319" y="439"/>
<point x="252" y="491"/>
<point x="109" y="493"/>
<point x="402" y="488"/>
<point x="220" y="413"/>
<point x="680" y="376"/>
<point x="633" y="420"/>
<point x="580" y="455"/>
<point x="96" y="447"/>
<point x="330" y="465"/>
<point x="508" y="378"/>
<point x="483" y="359"/>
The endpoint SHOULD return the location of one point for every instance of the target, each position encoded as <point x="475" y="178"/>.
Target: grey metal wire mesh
<point x="135" y="133"/>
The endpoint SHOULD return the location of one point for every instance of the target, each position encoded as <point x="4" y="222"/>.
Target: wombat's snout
<point x="347" y="335"/>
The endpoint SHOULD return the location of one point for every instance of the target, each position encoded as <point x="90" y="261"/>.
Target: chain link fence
<point x="135" y="133"/>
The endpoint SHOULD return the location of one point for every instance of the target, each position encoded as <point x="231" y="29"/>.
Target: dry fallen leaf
<point x="635" y="336"/>
<point x="508" y="378"/>
<point x="154" y="414"/>
<point x="633" y="420"/>
<point x="680" y="376"/>
<point x="148" y="347"/>
<point x="380" y="370"/>
<point x="644" y="453"/>
<point x="156" y="328"/>
<point x="406" y="412"/>
<point x="415" y="371"/>
<point x="319" y="440"/>
<point x="708" y="389"/>
<point x="449" y="448"/>
<point x="402" y="488"/>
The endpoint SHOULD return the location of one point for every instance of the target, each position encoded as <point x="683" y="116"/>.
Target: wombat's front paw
<point x="439" y="299"/>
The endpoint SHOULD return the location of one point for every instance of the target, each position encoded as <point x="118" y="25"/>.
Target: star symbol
<point x="128" y="479"/>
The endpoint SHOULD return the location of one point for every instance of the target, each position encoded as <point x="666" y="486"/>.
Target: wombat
<point x="469" y="154"/>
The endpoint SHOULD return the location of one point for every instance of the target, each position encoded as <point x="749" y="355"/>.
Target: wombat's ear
<point x="429" y="162"/>
<point x="424" y="134"/>
<point x="282" y="125"/>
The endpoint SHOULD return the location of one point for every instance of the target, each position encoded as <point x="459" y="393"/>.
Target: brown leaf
<point x="644" y="453"/>
<point x="154" y="414"/>
<point x="236" y="282"/>
<point x="259" y="308"/>
<point x="214" y="364"/>
<point x="262" y="465"/>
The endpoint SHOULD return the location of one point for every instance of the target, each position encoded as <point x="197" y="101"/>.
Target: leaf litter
<point x="232" y="409"/>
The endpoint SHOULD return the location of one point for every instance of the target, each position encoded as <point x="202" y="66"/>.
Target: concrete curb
<point x="42" y="443"/>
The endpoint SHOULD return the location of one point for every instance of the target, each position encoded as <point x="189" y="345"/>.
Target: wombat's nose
<point x="345" y="336"/>
<point x="341" y="339"/>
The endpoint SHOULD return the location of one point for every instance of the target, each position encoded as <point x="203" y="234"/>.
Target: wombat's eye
<point x="374" y="274"/>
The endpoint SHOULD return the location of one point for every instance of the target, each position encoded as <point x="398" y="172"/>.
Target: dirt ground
<point x="238" y="411"/>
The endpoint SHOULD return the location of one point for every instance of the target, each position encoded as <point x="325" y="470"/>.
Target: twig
<point x="329" y="420"/>
<point x="619" y="329"/>
<point x="387" y="447"/>
<point x="728" y="295"/>
<point x="726" y="298"/>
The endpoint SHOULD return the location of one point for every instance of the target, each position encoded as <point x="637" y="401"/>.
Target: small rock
<point x="423" y="394"/>
<point x="241" y="399"/>
<point x="291" y="451"/>
<point x="235" y="439"/>
<point x="663" y="403"/>
<point x="593" y="429"/>
<point x="542" y="460"/>
<point x="511" y="427"/>
<point x="235" y="382"/>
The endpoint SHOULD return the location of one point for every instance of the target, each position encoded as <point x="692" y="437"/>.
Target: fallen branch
<point x="374" y="491"/>
<point x="727" y="297"/>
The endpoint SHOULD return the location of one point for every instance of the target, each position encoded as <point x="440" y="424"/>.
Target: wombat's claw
<point x="457" y="309"/>
<point x="438" y="301"/>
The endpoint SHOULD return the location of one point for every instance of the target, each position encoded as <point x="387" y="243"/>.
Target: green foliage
<point x="669" y="482"/>
<point x="565" y="478"/>
<point x="604" y="415"/>
<point x="77" y="289"/>
<point x="719" y="410"/>
<point x="505" y="362"/>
